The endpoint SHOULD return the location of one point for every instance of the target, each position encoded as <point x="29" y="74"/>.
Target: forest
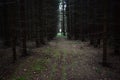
<point x="59" y="40"/>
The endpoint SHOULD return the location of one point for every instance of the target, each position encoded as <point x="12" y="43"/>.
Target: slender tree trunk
<point x="23" y="26"/>
<point x="14" y="50"/>
<point x="6" y="27"/>
<point x="37" y="43"/>
<point x="104" y="61"/>
<point x="63" y="23"/>
<point x="105" y="46"/>
<point x="98" y="42"/>
<point x="116" y="50"/>
<point x="24" y="45"/>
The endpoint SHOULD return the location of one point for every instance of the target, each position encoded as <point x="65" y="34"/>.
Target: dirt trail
<point x="62" y="59"/>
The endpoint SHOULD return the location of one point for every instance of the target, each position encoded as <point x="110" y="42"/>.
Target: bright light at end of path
<point x="60" y="30"/>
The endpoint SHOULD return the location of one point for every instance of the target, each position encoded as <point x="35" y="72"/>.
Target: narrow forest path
<point x="62" y="59"/>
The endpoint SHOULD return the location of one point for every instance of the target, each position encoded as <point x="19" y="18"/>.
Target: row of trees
<point x="97" y="21"/>
<point x="24" y="20"/>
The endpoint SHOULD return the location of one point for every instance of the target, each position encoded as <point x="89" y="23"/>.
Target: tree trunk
<point x="104" y="62"/>
<point x="14" y="50"/>
<point x="63" y="22"/>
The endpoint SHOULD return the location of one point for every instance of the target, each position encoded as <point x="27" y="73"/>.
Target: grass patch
<point x="56" y="53"/>
<point x="47" y="53"/>
<point x="47" y="50"/>
<point x="53" y="71"/>
<point x="60" y="35"/>
<point x="40" y="65"/>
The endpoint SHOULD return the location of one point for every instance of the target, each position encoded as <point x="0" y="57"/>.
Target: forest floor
<point x="63" y="59"/>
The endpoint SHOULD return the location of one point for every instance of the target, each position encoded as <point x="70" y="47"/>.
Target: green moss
<point x="39" y="65"/>
<point x="39" y="68"/>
